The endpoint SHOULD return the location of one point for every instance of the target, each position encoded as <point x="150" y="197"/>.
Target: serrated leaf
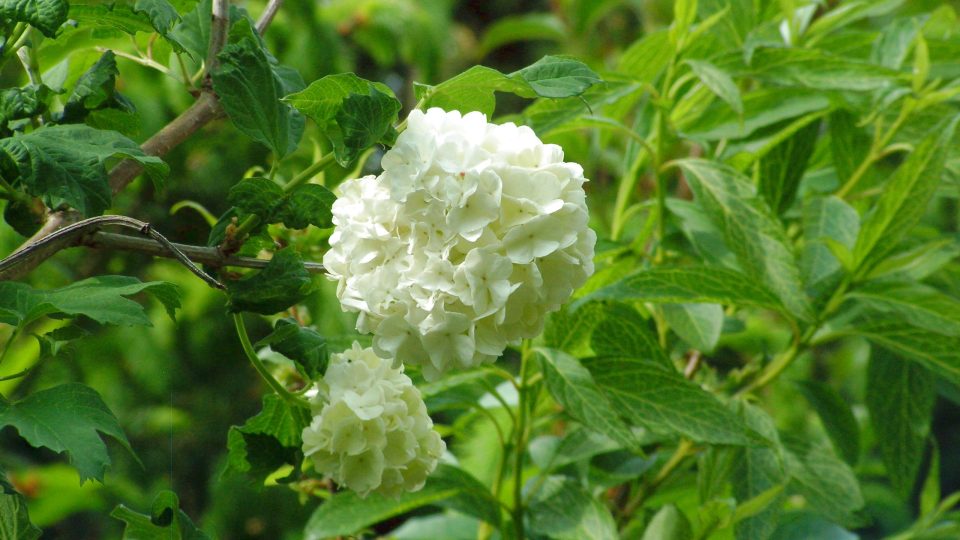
<point x="691" y="284"/>
<point x="120" y="16"/>
<point x="99" y="298"/>
<point x="574" y="388"/>
<point x="305" y="346"/>
<point x="557" y="77"/>
<point x="761" y="244"/>
<point x="660" y="399"/>
<point x="570" y="331"/>
<point x="836" y="417"/>
<point x="783" y="166"/>
<point x="719" y="82"/>
<point x="825" y="219"/>
<point x="904" y="198"/>
<point x="353" y="112"/>
<point x="697" y="324"/>
<point x="900" y="396"/>
<point x="762" y="108"/>
<point x="827" y="483"/>
<point x="165" y="522"/>
<point x="346" y="513"/>
<point x="67" y="418"/>
<point x="563" y="509"/>
<point x="66" y="165"/>
<point x="21" y="103"/>
<point x="267" y="441"/>
<point x="250" y="93"/>
<point x="162" y="16"/>
<point x="44" y="15"/>
<point x="283" y="283"/>
<point x="256" y="195"/>
<point x="757" y="470"/>
<point x="95" y="89"/>
<point x="309" y="204"/>
<point x="623" y="332"/>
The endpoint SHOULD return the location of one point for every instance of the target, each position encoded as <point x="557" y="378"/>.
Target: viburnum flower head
<point x="470" y="236"/>
<point x="371" y="431"/>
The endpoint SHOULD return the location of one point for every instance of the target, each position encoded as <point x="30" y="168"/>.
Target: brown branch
<point x="273" y="6"/>
<point x="88" y="233"/>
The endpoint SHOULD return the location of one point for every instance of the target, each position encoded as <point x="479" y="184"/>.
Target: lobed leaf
<point x="283" y="283"/>
<point x="44" y="15"/>
<point x="267" y="441"/>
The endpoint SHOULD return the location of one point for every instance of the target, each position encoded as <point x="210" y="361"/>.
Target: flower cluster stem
<point x="520" y="442"/>
<point x="261" y="369"/>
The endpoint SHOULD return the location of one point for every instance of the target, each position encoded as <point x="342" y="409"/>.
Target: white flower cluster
<point x="469" y="237"/>
<point x="371" y="431"/>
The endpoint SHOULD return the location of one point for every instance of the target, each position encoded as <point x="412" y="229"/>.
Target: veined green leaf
<point x="719" y="82"/>
<point x="563" y="509"/>
<point x="449" y="487"/>
<point x="623" y="332"/>
<point x="44" y="15"/>
<point x="900" y="398"/>
<point x="825" y="219"/>
<point x="250" y="91"/>
<point x="305" y="346"/>
<point x="570" y="331"/>
<point x="936" y="351"/>
<point x="66" y="165"/>
<point x="15" y="521"/>
<point x="836" y="417"/>
<point x="783" y="166"/>
<point x="283" y="283"/>
<point x="827" y="483"/>
<point x="923" y="306"/>
<point x="761" y="245"/>
<point x="813" y="68"/>
<point x="692" y="284"/>
<point x="762" y="108"/>
<point x="698" y="324"/>
<point x="573" y="387"/>
<point x="557" y="77"/>
<point x="660" y="399"/>
<point x="904" y="198"/>
<point x="849" y="143"/>
<point x="67" y="418"/>
<point x="756" y="470"/>
<point x="647" y="57"/>
<point x="669" y="523"/>
<point x="268" y="440"/>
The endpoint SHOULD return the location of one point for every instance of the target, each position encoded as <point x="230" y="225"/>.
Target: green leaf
<point x="762" y="108"/>
<point x="250" y="92"/>
<point x="684" y="14"/>
<point x="647" y="57"/>
<point x="309" y="204"/>
<point x="561" y="508"/>
<point x="623" y="332"/>
<point x="267" y="441"/>
<point x="44" y="15"/>
<point x="120" y="16"/>
<point x="193" y="30"/>
<point x="761" y="245"/>
<point x="782" y="168"/>
<point x="805" y="526"/>
<point x="825" y="219"/>
<point x="283" y="283"/>
<point x="757" y="470"/>
<point x="935" y="351"/>
<point x="836" y="417"/>
<point x="353" y="112"/>
<point x="923" y="306"/>
<point x="99" y="298"/>
<point x="15" y="521"/>
<point x="23" y="218"/>
<point x="525" y="27"/>
<point x="573" y="387"/>
<point x="697" y="324"/>
<point x="66" y="165"/>
<point x="21" y="103"/>
<point x="849" y="143"/>
<point x="827" y="483"/>
<point x="904" y="198"/>
<point x="165" y="522"/>
<point x="570" y="331"/>
<point x="660" y="399"/>
<point x="718" y="82"/>
<point x="669" y="523"/>
<point x="163" y="17"/>
<point x="66" y="418"/>
<point x="256" y="195"/>
<point x="691" y="284"/>
<point x="305" y="346"/>
<point x="900" y="396"/>
<point x="557" y="77"/>
<point x="346" y="513"/>
<point x="95" y="89"/>
<point x="815" y="69"/>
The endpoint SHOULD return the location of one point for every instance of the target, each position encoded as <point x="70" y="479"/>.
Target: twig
<point x="273" y="6"/>
<point x="219" y="25"/>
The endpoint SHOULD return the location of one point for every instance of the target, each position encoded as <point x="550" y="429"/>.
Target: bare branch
<point x="87" y="233"/>
<point x="218" y="33"/>
<point x="273" y="6"/>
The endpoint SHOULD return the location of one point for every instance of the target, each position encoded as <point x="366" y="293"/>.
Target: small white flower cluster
<point x="371" y="431"/>
<point x="470" y="236"/>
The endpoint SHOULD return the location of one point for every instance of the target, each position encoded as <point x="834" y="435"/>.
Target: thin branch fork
<point x="88" y="233"/>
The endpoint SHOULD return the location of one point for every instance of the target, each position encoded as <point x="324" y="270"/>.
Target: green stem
<point x="14" y="194"/>
<point x="877" y="150"/>
<point x="684" y="449"/>
<point x="520" y="443"/>
<point x="261" y="369"/>
<point x="6" y="347"/>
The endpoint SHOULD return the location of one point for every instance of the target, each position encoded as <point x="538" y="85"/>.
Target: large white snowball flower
<point x="469" y="237"/>
<point x="371" y="431"/>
